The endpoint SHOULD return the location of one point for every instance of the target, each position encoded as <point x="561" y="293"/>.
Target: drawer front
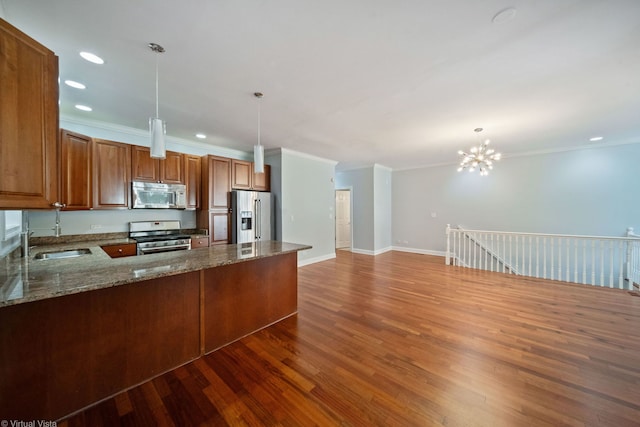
<point x="199" y="242"/>
<point x="116" y="251"/>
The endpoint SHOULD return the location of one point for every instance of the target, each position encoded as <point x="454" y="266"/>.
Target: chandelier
<point x="480" y="157"/>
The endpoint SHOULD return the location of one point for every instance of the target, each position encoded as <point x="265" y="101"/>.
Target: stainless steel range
<point x="158" y="236"/>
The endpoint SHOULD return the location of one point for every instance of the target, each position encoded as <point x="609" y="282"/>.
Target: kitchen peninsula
<point x="78" y="330"/>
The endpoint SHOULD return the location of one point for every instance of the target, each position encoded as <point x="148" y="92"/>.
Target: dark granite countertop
<point x="24" y="280"/>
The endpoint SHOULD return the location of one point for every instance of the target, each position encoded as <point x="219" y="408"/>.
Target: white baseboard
<point x="373" y="253"/>
<point x="303" y="262"/>
<point x="419" y="251"/>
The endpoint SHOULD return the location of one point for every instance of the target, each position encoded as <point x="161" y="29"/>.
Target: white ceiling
<point x="400" y="83"/>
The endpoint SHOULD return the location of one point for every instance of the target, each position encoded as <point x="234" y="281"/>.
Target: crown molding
<point x="536" y="153"/>
<point x="141" y="137"/>
<point x="281" y="150"/>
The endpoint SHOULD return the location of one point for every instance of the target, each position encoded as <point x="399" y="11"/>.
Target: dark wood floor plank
<point x="401" y="339"/>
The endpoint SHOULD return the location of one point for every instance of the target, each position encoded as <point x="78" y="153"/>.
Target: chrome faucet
<point x="24" y="235"/>
<point x="57" y="229"/>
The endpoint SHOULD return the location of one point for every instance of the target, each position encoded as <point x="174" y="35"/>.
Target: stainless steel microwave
<point x="151" y="195"/>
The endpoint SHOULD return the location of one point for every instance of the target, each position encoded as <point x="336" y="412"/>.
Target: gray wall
<point x="591" y="191"/>
<point x="307" y="201"/>
<point x="371" y="211"/>
<point x="360" y="181"/>
<point x="382" y="187"/>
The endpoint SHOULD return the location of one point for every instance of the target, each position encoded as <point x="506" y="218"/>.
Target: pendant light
<point x="258" y="150"/>
<point x="157" y="126"/>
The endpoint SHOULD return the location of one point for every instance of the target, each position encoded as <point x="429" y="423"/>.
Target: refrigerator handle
<point x="256" y="219"/>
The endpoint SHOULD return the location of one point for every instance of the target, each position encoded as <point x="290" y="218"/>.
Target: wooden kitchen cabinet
<point x="216" y="186"/>
<point x="262" y="181"/>
<point x="119" y="251"/>
<point x="241" y="174"/>
<point x="216" y="182"/>
<point x="144" y="168"/>
<point x="192" y="178"/>
<point x="199" y="242"/>
<point x="28" y="122"/>
<point x="111" y="174"/>
<point x="266" y="289"/>
<point x="244" y="178"/>
<point x="75" y="170"/>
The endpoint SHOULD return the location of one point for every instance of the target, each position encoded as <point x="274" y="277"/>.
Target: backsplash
<point x="42" y="223"/>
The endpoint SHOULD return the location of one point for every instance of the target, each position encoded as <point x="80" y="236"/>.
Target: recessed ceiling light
<point x="201" y="135"/>
<point x="596" y="138"/>
<point x="83" y="107"/>
<point x="74" y="84"/>
<point x="92" y="58"/>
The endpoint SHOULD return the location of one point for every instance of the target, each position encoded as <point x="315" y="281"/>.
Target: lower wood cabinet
<point x="242" y="298"/>
<point x="62" y="354"/>
<point x="199" y="242"/>
<point x="118" y="251"/>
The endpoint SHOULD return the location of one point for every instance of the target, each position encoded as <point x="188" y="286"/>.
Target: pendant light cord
<point x="258" y="95"/>
<point x="157" y="100"/>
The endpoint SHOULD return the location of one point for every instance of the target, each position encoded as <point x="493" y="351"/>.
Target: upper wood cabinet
<point x="262" y="181"/>
<point x="144" y="168"/>
<point x="28" y="122"/>
<point x="241" y="175"/>
<point x="192" y="177"/>
<point x="216" y="186"/>
<point x="75" y="170"/>
<point x="216" y="182"/>
<point x="111" y="174"/>
<point x="244" y="178"/>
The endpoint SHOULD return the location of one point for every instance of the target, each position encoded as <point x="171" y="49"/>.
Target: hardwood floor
<point x="401" y="339"/>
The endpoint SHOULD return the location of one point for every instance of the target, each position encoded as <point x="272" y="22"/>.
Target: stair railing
<point x="633" y="259"/>
<point x="595" y="260"/>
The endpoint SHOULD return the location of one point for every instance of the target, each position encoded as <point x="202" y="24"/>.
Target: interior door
<point x="343" y="219"/>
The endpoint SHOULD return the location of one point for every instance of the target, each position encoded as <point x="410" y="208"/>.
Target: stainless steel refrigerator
<point x="251" y="216"/>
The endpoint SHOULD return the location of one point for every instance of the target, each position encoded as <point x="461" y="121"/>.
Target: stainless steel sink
<point x="68" y="253"/>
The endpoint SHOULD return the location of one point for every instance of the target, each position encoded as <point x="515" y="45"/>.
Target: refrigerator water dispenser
<point x="245" y="220"/>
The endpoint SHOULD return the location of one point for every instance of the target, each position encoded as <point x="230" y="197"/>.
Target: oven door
<point x="146" y="249"/>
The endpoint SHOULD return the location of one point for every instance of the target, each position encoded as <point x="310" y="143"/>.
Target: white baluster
<point x="568" y="268"/>
<point x="611" y="263"/>
<point x="552" y="258"/>
<point x="537" y="256"/>
<point x="575" y="261"/>
<point x="544" y="257"/>
<point x="584" y="261"/>
<point x="593" y="262"/>
<point x="448" y="254"/>
<point x="517" y="248"/>
<point x="601" y="252"/>
<point x="621" y="252"/>
<point x="559" y="258"/>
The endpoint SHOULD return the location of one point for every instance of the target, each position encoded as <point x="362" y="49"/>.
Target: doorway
<point x="343" y="219"/>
